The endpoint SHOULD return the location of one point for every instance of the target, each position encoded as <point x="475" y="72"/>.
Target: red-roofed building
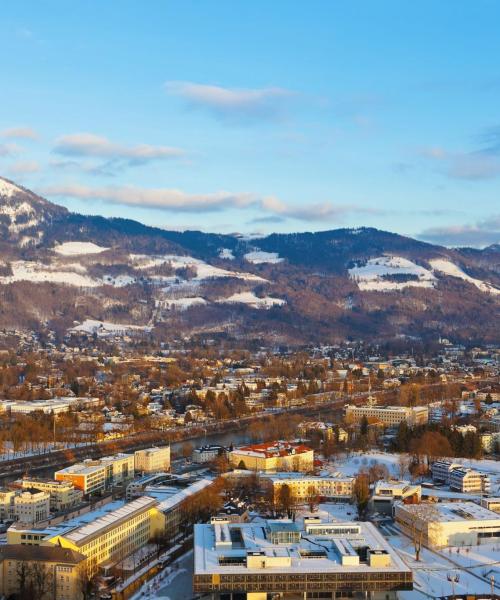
<point x="273" y="456"/>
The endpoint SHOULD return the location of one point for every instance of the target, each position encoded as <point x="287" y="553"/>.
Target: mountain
<point x="77" y="273"/>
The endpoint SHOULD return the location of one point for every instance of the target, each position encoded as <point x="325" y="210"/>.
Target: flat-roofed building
<point x="469" y="481"/>
<point x="62" y="571"/>
<point x="322" y="560"/>
<point x="95" y="476"/>
<point x="31" y="506"/>
<point x="63" y="494"/>
<point x="449" y="523"/>
<point x="152" y="460"/>
<point x="273" y="456"/>
<point x="304" y="488"/>
<point x="492" y="504"/>
<point x="209" y="453"/>
<point x="441" y="470"/>
<point x="386" y="493"/>
<point x="388" y="415"/>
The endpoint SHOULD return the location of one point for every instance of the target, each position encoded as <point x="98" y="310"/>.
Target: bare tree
<point x="403" y="465"/>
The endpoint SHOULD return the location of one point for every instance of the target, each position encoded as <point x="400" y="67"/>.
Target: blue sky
<point x="259" y="116"/>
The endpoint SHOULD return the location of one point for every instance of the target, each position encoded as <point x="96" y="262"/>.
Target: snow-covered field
<point x="252" y="300"/>
<point x="258" y="257"/>
<point x="448" y="268"/>
<point x="104" y="328"/>
<point x="78" y="248"/>
<point x="374" y="274"/>
<point x="226" y="253"/>
<point x="182" y="303"/>
<point x="38" y="273"/>
<point x="371" y="276"/>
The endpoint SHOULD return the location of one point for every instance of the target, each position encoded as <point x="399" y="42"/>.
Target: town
<point x="136" y="470"/>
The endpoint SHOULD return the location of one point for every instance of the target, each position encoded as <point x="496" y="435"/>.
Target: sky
<point x="254" y="117"/>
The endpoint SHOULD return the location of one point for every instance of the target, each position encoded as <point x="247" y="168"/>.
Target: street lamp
<point x="453" y="578"/>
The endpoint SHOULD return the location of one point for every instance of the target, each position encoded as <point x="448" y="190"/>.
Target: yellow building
<point x="46" y="572"/>
<point x="303" y="488"/>
<point x="115" y="535"/>
<point x="63" y="494"/>
<point x="152" y="460"/>
<point x="388" y="415"/>
<point x="274" y="456"/>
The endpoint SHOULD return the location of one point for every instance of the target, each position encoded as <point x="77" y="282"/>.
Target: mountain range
<point x="88" y="274"/>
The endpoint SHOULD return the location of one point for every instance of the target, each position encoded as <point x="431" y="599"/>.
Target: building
<point x="469" y="481"/>
<point x="152" y="460"/>
<point x="51" y="406"/>
<point x="96" y="476"/>
<point x="386" y="493"/>
<point x="388" y="415"/>
<point x="63" y="494"/>
<point x="104" y="536"/>
<point x="273" y="456"/>
<point x="459" y="478"/>
<point x="305" y="488"/>
<point x="62" y="571"/>
<point x="449" y="523"/>
<point x="320" y="560"/>
<point x="491" y="504"/>
<point x="28" y="505"/>
<point x="207" y="454"/>
<point x="136" y="487"/>
<point x="31" y="506"/>
<point x="441" y="470"/>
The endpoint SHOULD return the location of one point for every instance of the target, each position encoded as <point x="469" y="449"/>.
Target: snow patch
<point x="78" y="248"/>
<point x="452" y="270"/>
<point x="258" y="257"/>
<point x="40" y="273"/>
<point x="371" y="275"/>
<point x="252" y="300"/>
<point x="8" y="189"/>
<point x="104" y="328"/>
<point x="182" y="303"/>
<point x="226" y="253"/>
<point x="118" y="280"/>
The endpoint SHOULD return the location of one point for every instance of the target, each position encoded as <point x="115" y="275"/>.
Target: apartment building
<point x="27" y="506"/>
<point x="388" y="415"/>
<point x="62" y="569"/>
<point x="304" y="488"/>
<point x="31" y="506"/>
<point x="285" y="559"/>
<point x="469" y="481"/>
<point x="441" y="470"/>
<point x="96" y="476"/>
<point x="449" y="523"/>
<point x="152" y="460"/>
<point x="273" y="456"/>
<point x="206" y="454"/>
<point x="63" y="494"/>
<point x="386" y="493"/>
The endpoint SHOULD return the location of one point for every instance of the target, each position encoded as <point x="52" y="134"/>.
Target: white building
<point x="388" y="415"/>
<point x="206" y="454"/>
<point x="449" y="523"/>
<point x="152" y="460"/>
<point x="469" y="481"/>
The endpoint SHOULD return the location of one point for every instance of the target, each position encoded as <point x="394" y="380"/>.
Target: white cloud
<point x="89" y="145"/>
<point x="24" y="133"/>
<point x="232" y="103"/>
<point x="482" y="233"/>
<point x="179" y="201"/>
<point x="24" y="167"/>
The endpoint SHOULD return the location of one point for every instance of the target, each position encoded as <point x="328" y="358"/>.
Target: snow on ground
<point x="226" y="253"/>
<point x="8" y="189"/>
<point x="104" y="328"/>
<point x="259" y="257"/>
<point x="118" y="280"/>
<point x="353" y="463"/>
<point x="78" y="248"/>
<point x="371" y="275"/>
<point x="183" y="303"/>
<point x="252" y="300"/>
<point x="39" y="273"/>
<point x="448" y="268"/>
<point x="430" y="574"/>
<point x="203" y="269"/>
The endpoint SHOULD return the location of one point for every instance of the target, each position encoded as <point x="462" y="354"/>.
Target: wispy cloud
<point x="23" y="133"/>
<point x="90" y="145"/>
<point x="481" y="163"/>
<point x="24" y="167"/>
<point x="482" y="233"/>
<point x="237" y="104"/>
<point x="270" y="207"/>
